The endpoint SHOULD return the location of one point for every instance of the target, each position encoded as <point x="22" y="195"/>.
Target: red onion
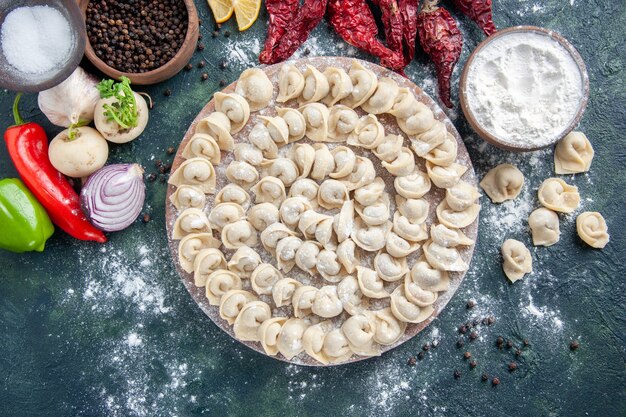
<point x="113" y="196"/>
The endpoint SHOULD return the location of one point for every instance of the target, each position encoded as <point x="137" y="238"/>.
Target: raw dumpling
<point x="462" y="196"/>
<point x="363" y="174"/>
<point x="368" y="133"/>
<point x="399" y="247"/>
<point x="324" y="162"/>
<point x="192" y="220"/>
<point x="457" y="219"/>
<point x="592" y="229"/>
<point x="360" y="331"/>
<point x="272" y="234"/>
<point x="232" y="193"/>
<point x="503" y="182"/>
<point x="415" y="210"/>
<point x="286" y="249"/>
<point x="375" y="214"/>
<point x="302" y="301"/>
<point x="429" y="278"/>
<point x="206" y="262"/>
<point x="443" y="154"/>
<point x="217" y="125"/>
<point x="315" y="86"/>
<point x="233" y="302"/>
<point x="290" y="83"/>
<point x="329" y="267"/>
<point x="268" y="334"/>
<point x="370" y="238"/>
<point x="289" y="342"/>
<point x="195" y="171"/>
<point x="407" y="311"/>
<point x="370" y="193"/>
<point x="517" y="261"/>
<point x="291" y="210"/>
<point x="238" y="234"/>
<point x="343" y="222"/>
<point x="418" y="296"/>
<point x="242" y="174"/>
<point x="260" y="137"/>
<point x="364" y="84"/>
<point x="203" y="146"/>
<point x="283" y="290"/>
<point x="316" y="117"/>
<point x="445" y="177"/>
<point x="425" y="142"/>
<point x="370" y="283"/>
<point x="269" y="190"/>
<point x="558" y="195"/>
<point x="249" y="153"/>
<point x="244" y="261"/>
<point x="295" y="123"/>
<point x="410" y="231"/>
<point x="449" y="238"/>
<point x="346" y="255"/>
<point x="403" y="165"/>
<point x="327" y="303"/>
<point x="573" y="154"/>
<point x="255" y="87"/>
<point x="282" y="168"/>
<point x="309" y="221"/>
<point x="264" y="277"/>
<point x="336" y="348"/>
<point x="350" y="294"/>
<point x="415" y="185"/>
<point x="441" y="257"/>
<point x="383" y="98"/>
<point x="277" y="128"/>
<point x="188" y="196"/>
<point x="404" y="104"/>
<point x="235" y="107"/>
<point x="303" y="155"/>
<point x="421" y="120"/>
<point x="339" y="83"/>
<point x="225" y="213"/>
<point x="332" y="194"/>
<point x="389" y="149"/>
<point x="388" y="328"/>
<point x="305" y="188"/>
<point x="306" y="256"/>
<point x="218" y="283"/>
<point x="190" y="245"/>
<point x="389" y="268"/>
<point x="544" y="225"/>
<point x="249" y="320"/>
<point x="345" y="159"/>
<point x="342" y="121"/>
<point x="313" y="340"/>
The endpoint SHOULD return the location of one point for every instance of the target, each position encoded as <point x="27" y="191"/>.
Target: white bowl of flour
<point x="524" y="88"/>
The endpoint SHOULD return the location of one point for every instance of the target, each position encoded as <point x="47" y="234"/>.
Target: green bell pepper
<point x="24" y="223"/>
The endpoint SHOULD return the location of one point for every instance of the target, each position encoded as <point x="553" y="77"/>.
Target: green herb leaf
<point x="124" y="109"/>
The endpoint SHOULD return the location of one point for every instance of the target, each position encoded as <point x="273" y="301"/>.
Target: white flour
<point x="524" y="88"/>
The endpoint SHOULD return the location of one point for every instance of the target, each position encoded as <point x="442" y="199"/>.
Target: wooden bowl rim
<point x="492" y="139"/>
<point x="143" y="78"/>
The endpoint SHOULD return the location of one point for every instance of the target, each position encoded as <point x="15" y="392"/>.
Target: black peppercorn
<point x="152" y="177"/>
<point x="420" y="355"/>
<point x="470" y="304"/>
<point x="491" y="320"/>
<point x="412" y="361"/>
<point x="475" y="322"/>
<point x="518" y="352"/>
<point x="467" y="355"/>
<point x="473" y="336"/>
<point x="215" y="34"/>
<point x="170" y="150"/>
<point x="188" y="67"/>
<point x="509" y="344"/>
<point x="460" y="343"/>
<point x="484" y="377"/>
<point x="485" y="321"/>
<point x="167" y="92"/>
<point x="204" y="76"/>
<point x="200" y="46"/>
<point x="201" y="64"/>
<point x="512" y="366"/>
<point x="227" y="33"/>
<point x="158" y="163"/>
<point x="306" y="51"/>
<point x="457" y="374"/>
<point x="473" y="364"/>
<point x="426" y="347"/>
<point x="495" y="381"/>
<point x="574" y="345"/>
<point x="526" y="342"/>
<point x="499" y="341"/>
<point x="223" y="64"/>
<point x="463" y="329"/>
<point x="222" y="83"/>
<point x="146" y="218"/>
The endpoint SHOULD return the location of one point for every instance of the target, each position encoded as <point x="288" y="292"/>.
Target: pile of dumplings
<point x="303" y="200"/>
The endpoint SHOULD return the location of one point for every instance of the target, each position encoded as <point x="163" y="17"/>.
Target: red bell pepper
<point x="28" y="147"/>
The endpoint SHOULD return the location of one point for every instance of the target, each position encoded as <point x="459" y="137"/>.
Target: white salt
<point x="36" y="40"/>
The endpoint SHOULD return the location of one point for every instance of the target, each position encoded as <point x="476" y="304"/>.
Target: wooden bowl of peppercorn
<point x="145" y="41"/>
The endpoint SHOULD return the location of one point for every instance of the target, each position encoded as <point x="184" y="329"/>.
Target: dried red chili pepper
<point x="282" y="14"/>
<point x="392" y="21"/>
<point x="309" y="15"/>
<point x="442" y="41"/>
<point x="480" y="12"/>
<point x="354" y="22"/>
<point x="408" y="11"/>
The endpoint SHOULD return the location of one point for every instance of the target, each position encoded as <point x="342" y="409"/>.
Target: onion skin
<point x="112" y="197"/>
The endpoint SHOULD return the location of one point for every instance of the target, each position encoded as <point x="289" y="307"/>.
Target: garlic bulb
<point x="71" y="101"/>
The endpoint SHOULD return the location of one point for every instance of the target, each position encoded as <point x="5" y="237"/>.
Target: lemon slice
<point x="222" y="9"/>
<point x="246" y="12"/>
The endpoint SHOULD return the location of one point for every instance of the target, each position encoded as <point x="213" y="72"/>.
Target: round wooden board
<point x="434" y="196"/>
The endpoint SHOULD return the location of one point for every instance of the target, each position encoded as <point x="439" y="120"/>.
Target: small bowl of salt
<point x="41" y="43"/>
<point x="524" y="88"/>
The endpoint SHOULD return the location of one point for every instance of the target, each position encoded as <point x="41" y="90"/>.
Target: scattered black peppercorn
<point x="473" y="364"/>
<point x="158" y="163"/>
<point x="223" y="64"/>
<point x="460" y="343"/>
<point x="484" y="377"/>
<point x="485" y="321"/>
<point x="200" y="46"/>
<point x="167" y="92"/>
<point x="420" y="355"/>
<point x="512" y="366"/>
<point x="170" y="150"/>
<point x="467" y="355"/>
<point x="509" y="344"/>
<point x="412" y="361"/>
<point x="162" y="178"/>
<point x="215" y="34"/>
<point x="499" y="341"/>
<point x="306" y="51"/>
<point x="162" y="169"/>
<point x="475" y="322"/>
<point x="200" y="36"/>
<point x="222" y="83"/>
<point x="463" y="329"/>
<point x="470" y="304"/>
<point x="518" y="352"/>
<point x="152" y="177"/>
<point x="201" y="64"/>
<point x="188" y="67"/>
<point x="204" y="76"/>
<point x="526" y="342"/>
<point x="167" y="167"/>
<point x="473" y="336"/>
<point x="491" y="320"/>
<point x="574" y="345"/>
<point x="426" y="347"/>
<point x="146" y="218"/>
<point x="495" y="381"/>
<point x="457" y="374"/>
<point x="227" y="33"/>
